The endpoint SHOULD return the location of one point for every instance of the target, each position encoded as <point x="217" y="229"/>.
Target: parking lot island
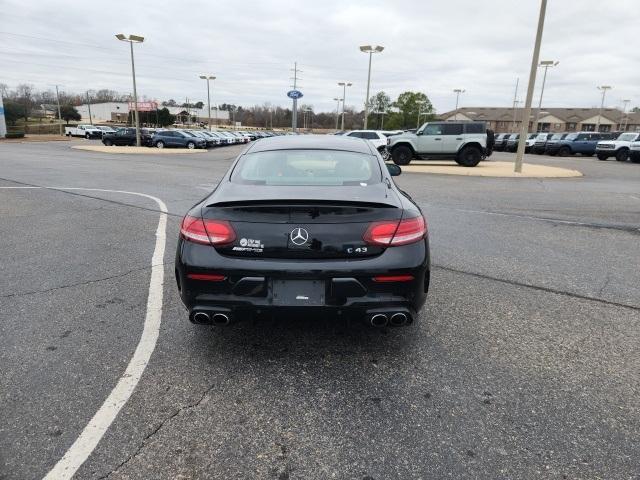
<point x="135" y="150"/>
<point x="491" y="169"/>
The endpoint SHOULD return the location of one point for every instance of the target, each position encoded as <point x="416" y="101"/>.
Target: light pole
<point x="604" y="89"/>
<point x="337" y="110"/>
<point x="546" y="64"/>
<point x="89" y="108"/>
<point x="457" y="91"/>
<point x="207" y="78"/>
<point x="370" y="50"/>
<point x="133" y="39"/>
<point x="309" y="118"/>
<point x="524" y="128"/>
<point x="515" y="104"/>
<point x="625" y="104"/>
<point x="59" y="111"/>
<point x="344" y="86"/>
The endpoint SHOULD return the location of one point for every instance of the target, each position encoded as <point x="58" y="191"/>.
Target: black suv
<point x="126" y="136"/>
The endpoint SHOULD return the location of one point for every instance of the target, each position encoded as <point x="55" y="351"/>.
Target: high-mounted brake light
<point x="206" y="231"/>
<point x="393" y="233"/>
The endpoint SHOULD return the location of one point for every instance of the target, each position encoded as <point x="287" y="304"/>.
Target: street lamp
<point x="625" y="104"/>
<point x="370" y="50"/>
<point x="133" y="39"/>
<point x="344" y="86"/>
<point x="545" y="64"/>
<point x="307" y="118"/>
<point x="337" y="110"/>
<point x="207" y="78"/>
<point x="604" y="89"/>
<point x="457" y="91"/>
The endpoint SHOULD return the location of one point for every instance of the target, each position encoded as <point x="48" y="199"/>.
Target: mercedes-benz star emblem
<point x="299" y="236"/>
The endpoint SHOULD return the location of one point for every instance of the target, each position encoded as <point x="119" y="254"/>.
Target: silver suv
<point x="465" y="142"/>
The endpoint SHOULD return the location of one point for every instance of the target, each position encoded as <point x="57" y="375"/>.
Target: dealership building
<point x="550" y="119"/>
<point x="118" y="112"/>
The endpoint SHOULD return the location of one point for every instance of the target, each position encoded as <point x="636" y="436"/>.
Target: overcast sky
<point x="430" y="46"/>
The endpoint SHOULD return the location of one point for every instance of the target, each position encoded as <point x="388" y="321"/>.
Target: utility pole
<point x="604" y="89"/>
<point x="515" y="103"/>
<point x="59" y="111"/>
<point x="294" y="111"/>
<point x="524" y="128"/>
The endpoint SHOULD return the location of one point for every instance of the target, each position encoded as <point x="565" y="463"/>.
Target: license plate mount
<point x="298" y="292"/>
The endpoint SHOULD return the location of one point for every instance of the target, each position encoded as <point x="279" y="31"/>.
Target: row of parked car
<point x="180" y="138"/>
<point x="620" y="145"/>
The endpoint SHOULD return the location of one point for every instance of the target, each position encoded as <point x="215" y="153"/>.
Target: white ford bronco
<point x="465" y="142"/>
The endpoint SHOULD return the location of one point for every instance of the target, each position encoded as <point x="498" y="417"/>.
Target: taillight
<point x="393" y="233"/>
<point x="206" y="231"/>
<point x="392" y="278"/>
<point x="208" y="277"/>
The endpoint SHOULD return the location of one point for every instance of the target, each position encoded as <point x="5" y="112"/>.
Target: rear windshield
<point x="307" y="167"/>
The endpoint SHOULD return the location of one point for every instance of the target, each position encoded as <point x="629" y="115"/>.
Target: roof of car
<point x="311" y="142"/>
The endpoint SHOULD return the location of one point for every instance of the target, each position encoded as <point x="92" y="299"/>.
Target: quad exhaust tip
<point x="201" y="317"/>
<point x="379" y="320"/>
<point x="398" y="319"/>
<point x="220" y="319"/>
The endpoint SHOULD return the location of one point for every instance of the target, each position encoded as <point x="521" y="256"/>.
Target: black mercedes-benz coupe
<point x="312" y="222"/>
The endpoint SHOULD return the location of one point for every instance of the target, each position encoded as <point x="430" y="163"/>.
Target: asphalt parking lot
<point x="523" y="364"/>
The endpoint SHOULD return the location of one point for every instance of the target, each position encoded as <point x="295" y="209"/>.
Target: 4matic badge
<point x="249" y="245"/>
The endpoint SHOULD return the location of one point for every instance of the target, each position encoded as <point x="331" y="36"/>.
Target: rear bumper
<point x="347" y="284"/>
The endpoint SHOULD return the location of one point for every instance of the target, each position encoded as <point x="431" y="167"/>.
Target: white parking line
<point x="89" y="438"/>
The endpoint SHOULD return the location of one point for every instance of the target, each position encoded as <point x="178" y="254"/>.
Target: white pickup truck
<point x="86" y="131"/>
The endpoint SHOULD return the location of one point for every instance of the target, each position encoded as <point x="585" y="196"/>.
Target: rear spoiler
<point x="291" y="202"/>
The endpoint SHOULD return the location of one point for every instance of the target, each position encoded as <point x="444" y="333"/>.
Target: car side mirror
<point x="394" y="170"/>
<point x="419" y="132"/>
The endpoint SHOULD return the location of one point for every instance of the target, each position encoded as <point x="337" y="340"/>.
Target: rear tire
<point x="602" y="157"/>
<point x="160" y="144"/>
<point x="402" y="155"/>
<point x="108" y="143"/>
<point x="469" y="157"/>
<point x="622" y="155"/>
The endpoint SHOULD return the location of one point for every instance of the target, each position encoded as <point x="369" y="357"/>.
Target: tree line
<point x="407" y="111"/>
